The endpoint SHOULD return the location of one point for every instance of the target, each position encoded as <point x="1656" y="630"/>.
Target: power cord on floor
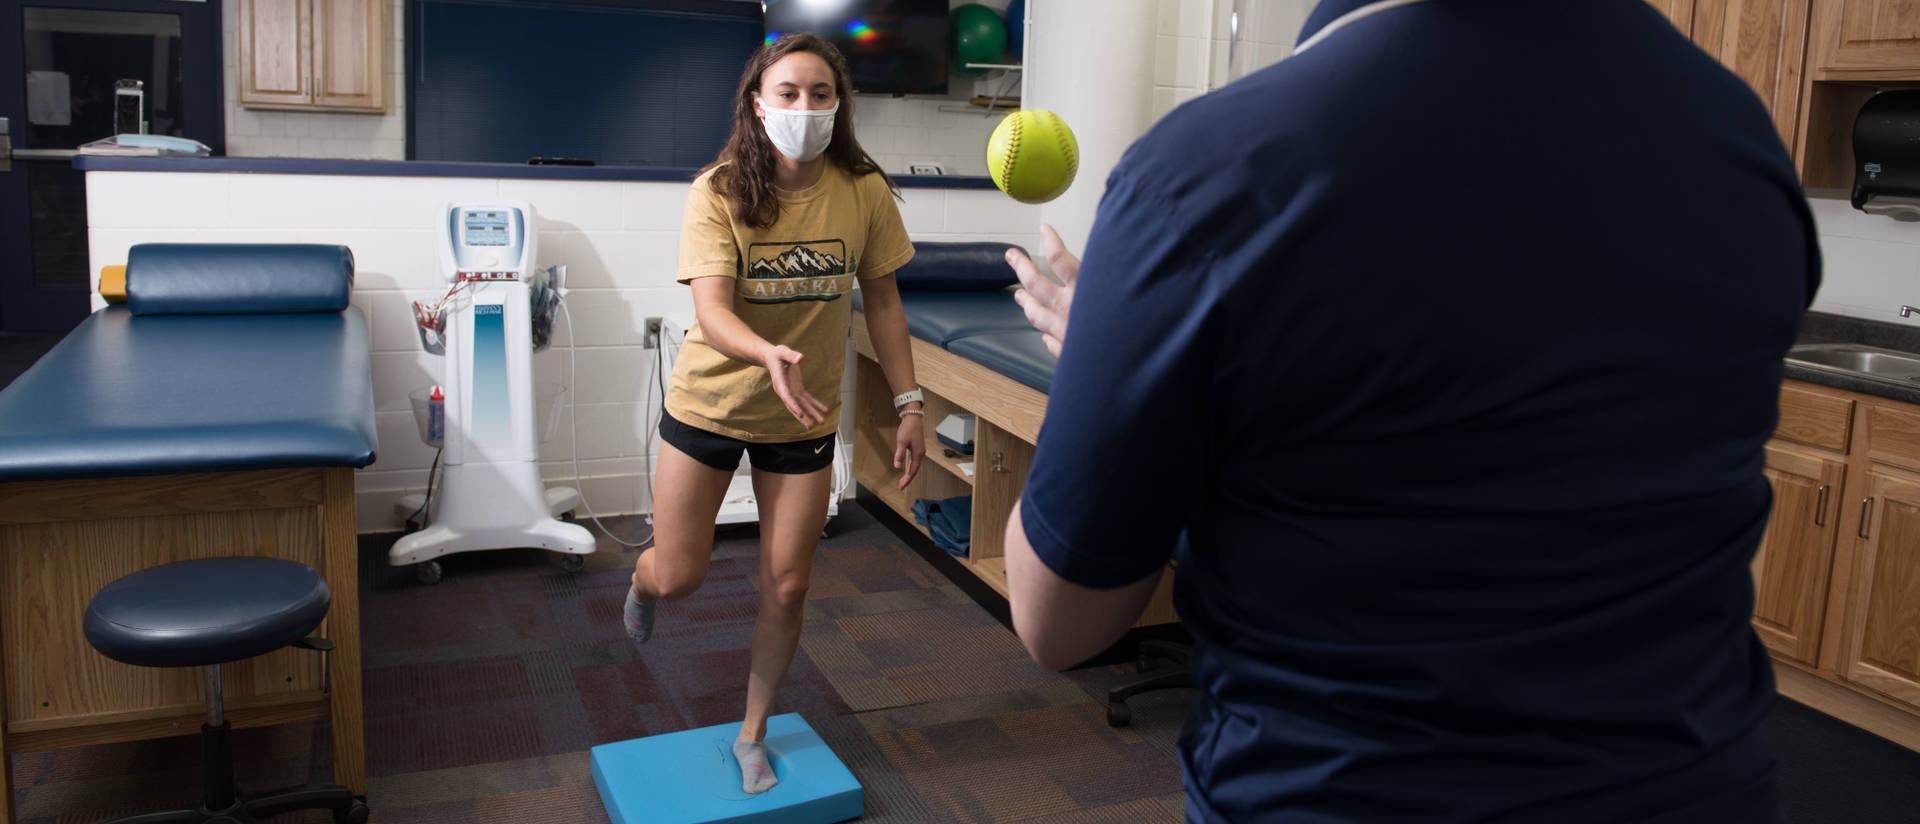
<point x="427" y="501"/>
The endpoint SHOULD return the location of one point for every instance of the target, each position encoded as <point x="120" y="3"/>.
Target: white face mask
<point x="800" y="135"/>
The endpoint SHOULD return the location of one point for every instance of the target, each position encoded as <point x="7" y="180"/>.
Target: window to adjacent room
<point x="640" y="83"/>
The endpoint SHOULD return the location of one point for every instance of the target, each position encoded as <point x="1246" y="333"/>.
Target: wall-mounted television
<point x="892" y="46"/>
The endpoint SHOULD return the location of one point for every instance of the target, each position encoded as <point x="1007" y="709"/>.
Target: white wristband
<point x="907" y="397"/>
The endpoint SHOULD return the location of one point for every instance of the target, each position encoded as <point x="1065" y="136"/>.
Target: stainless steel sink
<point x="1854" y="359"/>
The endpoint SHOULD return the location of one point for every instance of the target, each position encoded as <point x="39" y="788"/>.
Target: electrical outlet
<point x="653" y="333"/>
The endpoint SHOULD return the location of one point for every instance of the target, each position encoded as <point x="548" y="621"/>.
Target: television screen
<point x="892" y="46"/>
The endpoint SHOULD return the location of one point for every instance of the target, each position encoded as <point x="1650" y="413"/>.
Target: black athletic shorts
<point x="723" y="453"/>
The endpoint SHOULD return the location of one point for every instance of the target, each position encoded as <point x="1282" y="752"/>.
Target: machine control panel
<point x="488" y="241"/>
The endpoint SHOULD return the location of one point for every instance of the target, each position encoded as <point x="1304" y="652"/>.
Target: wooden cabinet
<point x="1679" y="11"/>
<point x="1883" y="631"/>
<point x="1764" y="42"/>
<point x="1790" y="569"/>
<point x="315" y="55"/>
<point x="1837" y="575"/>
<point x="1862" y="37"/>
<point x="1855" y="48"/>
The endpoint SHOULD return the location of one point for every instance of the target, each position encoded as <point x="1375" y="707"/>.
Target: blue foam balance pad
<point x="691" y="777"/>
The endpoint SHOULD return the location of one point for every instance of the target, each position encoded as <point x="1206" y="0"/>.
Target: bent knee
<point x="676" y="584"/>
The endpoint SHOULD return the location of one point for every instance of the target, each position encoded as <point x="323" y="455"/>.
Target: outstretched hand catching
<point x="1046" y="303"/>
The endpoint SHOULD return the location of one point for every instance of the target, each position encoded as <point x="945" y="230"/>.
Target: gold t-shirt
<point x="791" y="285"/>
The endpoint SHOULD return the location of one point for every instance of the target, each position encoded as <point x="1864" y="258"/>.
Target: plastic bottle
<point x="436" y="416"/>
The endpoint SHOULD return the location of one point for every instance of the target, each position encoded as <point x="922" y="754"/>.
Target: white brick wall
<point x="619" y="241"/>
<point x="899" y="131"/>
<point x="1872" y="263"/>
<point x="1193" y="53"/>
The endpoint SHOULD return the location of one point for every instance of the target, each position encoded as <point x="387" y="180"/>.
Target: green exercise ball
<point x="979" y="36"/>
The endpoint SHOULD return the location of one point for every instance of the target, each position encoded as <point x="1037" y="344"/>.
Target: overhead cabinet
<point x="313" y="55"/>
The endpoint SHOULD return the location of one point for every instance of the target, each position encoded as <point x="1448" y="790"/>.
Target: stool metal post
<point x="216" y="750"/>
<point x="215" y="715"/>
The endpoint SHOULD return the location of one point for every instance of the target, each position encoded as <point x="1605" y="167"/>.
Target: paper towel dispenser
<point x="1886" y="154"/>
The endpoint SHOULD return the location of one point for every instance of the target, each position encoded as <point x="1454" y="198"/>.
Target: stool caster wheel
<point x="1118" y="715"/>
<point x="573" y="563"/>
<point x="428" y="572"/>
<point x="355" y="813"/>
<point x="567" y="516"/>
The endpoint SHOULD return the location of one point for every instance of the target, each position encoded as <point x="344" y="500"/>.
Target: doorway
<point x="63" y="90"/>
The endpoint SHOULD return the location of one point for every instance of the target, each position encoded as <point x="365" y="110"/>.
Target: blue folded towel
<point x="949" y="521"/>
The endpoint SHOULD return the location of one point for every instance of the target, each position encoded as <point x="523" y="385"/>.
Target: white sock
<point x="756" y="775"/>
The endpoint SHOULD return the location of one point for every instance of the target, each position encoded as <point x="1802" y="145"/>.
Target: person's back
<point x="1484" y="309"/>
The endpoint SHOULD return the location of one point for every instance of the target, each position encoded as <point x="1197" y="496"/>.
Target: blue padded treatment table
<point x="1022" y="356"/>
<point x="986" y="361"/>
<point x="691" y="777"/>
<point x="941" y="317"/>
<point x="156" y="394"/>
<point x="223" y="416"/>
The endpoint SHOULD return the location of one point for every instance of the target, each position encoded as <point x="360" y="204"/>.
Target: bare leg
<point x="686" y="500"/>
<point x="793" y="508"/>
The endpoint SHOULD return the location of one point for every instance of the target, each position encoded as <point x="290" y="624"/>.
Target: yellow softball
<point x="1033" y="156"/>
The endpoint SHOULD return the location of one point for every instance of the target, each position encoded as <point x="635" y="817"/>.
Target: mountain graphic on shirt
<point x="793" y="271"/>
<point x="797" y="262"/>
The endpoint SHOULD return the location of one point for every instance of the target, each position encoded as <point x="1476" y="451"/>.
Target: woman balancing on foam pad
<point x="776" y="231"/>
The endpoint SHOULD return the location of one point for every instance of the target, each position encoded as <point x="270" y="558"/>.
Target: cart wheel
<point x="567" y="516"/>
<point x="355" y="813"/>
<point x="428" y="572"/>
<point x="411" y="526"/>
<point x="1118" y="715"/>
<point x="573" y="563"/>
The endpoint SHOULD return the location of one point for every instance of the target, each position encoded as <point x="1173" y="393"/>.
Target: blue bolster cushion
<point x="238" y="278"/>
<point x="957" y="267"/>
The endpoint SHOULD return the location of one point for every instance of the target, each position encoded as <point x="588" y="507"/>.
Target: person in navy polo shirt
<point x="1438" y="359"/>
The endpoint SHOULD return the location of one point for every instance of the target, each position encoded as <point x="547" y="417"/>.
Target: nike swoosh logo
<point x="816" y="450"/>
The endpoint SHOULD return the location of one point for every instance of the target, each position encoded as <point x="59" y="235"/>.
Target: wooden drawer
<point x="1814" y="417"/>
<point x="1893" y="435"/>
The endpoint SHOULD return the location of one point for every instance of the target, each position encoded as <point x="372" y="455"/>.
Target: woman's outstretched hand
<point x="783" y="366"/>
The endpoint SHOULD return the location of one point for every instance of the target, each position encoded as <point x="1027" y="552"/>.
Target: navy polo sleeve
<point x="1124" y="449"/>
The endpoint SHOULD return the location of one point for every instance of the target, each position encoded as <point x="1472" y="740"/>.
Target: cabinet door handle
<point x="1820" y="506"/>
<point x="1866" y="506"/>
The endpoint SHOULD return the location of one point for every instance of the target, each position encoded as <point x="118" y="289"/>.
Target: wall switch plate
<point x="925" y="169"/>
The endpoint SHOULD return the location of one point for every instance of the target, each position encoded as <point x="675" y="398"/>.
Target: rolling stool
<point x="203" y="614"/>
<point x="1171" y="675"/>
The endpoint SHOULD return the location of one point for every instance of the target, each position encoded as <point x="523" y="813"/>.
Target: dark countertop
<point x="431" y="168"/>
<point x="1819" y="327"/>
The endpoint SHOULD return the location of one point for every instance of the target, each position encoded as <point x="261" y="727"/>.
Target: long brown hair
<point x="749" y="155"/>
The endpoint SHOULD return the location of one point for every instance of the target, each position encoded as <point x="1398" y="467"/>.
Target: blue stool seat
<point x="209" y="611"/>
